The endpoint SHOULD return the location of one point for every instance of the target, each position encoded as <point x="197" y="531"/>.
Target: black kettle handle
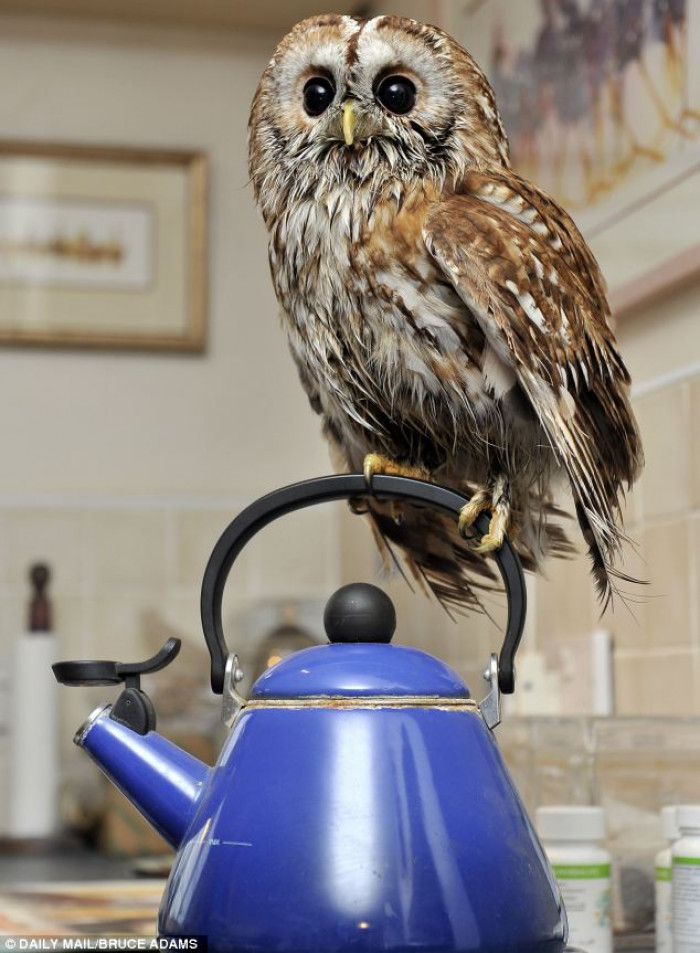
<point x="348" y="486"/>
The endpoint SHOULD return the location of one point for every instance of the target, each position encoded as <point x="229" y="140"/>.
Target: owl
<point x="446" y="317"/>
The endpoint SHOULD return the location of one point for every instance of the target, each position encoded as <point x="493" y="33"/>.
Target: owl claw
<point x="376" y="463"/>
<point x="498" y="504"/>
<point x="490" y="543"/>
<point x="471" y="510"/>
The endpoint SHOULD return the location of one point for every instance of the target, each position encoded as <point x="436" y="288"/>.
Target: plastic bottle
<point x="572" y="838"/>
<point x="685" y="881"/>
<point x="662" y="878"/>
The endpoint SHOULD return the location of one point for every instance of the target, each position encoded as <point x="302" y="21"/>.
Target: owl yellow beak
<point x="349" y="122"/>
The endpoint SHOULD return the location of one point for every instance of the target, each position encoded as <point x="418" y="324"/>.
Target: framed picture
<point x="601" y="101"/>
<point x="102" y="247"/>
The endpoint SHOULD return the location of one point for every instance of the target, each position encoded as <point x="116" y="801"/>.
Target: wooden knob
<point x="39" y="604"/>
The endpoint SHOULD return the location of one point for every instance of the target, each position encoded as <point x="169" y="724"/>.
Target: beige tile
<point x="671" y="684"/>
<point x="630" y="684"/>
<point x="632" y="509"/>
<point x="695" y="577"/>
<point x="13" y="620"/>
<point x="652" y="683"/>
<point x="181" y="611"/>
<point x="627" y="615"/>
<point x="127" y="549"/>
<point x="695" y="442"/>
<point x="295" y="556"/>
<point x="358" y="551"/>
<point x="71" y="616"/>
<point x="666" y="548"/>
<point x="664" y="420"/>
<point x="43" y="534"/>
<point x="120" y="624"/>
<point x="196" y="532"/>
<point x="565" y="605"/>
<point x="473" y="675"/>
<point x="4" y="552"/>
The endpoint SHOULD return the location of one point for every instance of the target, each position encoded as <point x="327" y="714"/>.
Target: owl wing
<point x="525" y="272"/>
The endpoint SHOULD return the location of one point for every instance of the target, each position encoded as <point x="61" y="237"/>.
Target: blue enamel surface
<point x="359" y="669"/>
<point x="160" y="779"/>
<point x="337" y="830"/>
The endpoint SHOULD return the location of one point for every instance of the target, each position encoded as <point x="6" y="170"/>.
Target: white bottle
<point x="662" y="879"/>
<point x="685" y="881"/>
<point x="572" y="838"/>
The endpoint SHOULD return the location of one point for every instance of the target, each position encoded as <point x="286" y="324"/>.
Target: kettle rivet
<point x="359" y="613"/>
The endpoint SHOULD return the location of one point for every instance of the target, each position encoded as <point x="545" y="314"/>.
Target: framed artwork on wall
<point x="102" y="247"/>
<point x="601" y="100"/>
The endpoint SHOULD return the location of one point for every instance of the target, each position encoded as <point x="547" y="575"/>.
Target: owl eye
<point x="397" y="94"/>
<point x="318" y="95"/>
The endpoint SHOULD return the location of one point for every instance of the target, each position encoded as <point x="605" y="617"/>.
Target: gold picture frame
<point x="103" y="247"/>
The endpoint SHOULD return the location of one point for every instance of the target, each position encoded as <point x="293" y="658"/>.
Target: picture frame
<point x="602" y="105"/>
<point x="103" y="247"/>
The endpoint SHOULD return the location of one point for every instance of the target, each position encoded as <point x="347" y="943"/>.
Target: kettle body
<point x="360" y="803"/>
<point x="411" y="838"/>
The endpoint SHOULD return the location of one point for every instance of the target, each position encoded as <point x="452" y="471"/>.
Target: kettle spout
<point x="163" y="782"/>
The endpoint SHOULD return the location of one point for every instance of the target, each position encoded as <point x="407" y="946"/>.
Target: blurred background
<point x="127" y="452"/>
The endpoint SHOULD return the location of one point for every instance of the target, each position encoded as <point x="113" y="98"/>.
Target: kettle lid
<point x="359" y="660"/>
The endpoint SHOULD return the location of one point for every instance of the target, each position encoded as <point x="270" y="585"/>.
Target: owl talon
<point x="376" y="463"/>
<point x="497" y="501"/>
<point x="489" y="543"/>
<point x="372" y="464"/>
<point x="471" y="510"/>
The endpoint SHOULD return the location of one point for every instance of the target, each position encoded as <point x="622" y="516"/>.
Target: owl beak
<point x="349" y="122"/>
<point x="353" y="123"/>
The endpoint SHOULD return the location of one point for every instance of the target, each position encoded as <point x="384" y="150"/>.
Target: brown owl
<point x="446" y="316"/>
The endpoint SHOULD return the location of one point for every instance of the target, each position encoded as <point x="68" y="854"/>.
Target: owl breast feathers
<point x="443" y="312"/>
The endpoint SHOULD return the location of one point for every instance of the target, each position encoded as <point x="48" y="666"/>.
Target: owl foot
<point x="376" y="463"/>
<point x="498" y="503"/>
<point x="470" y="511"/>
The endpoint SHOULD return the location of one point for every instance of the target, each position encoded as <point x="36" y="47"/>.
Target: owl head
<point x="348" y="98"/>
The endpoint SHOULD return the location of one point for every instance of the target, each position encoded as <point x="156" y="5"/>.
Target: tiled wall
<point x="657" y="634"/>
<point x="125" y="576"/>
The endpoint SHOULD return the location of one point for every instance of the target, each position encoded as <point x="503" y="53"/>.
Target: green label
<point x="662" y="873"/>
<point x="687" y="861"/>
<point x="581" y="871"/>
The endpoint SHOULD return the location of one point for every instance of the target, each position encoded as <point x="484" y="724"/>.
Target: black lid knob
<point x="359" y="613"/>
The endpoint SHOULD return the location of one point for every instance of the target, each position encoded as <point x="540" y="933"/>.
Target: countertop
<point x="63" y="865"/>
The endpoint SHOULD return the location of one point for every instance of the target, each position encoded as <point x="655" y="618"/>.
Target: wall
<point x="231" y="422"/>
<point x="122" y="469"/>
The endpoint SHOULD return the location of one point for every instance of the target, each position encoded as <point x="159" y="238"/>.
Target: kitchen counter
<point x="75" y="865"/>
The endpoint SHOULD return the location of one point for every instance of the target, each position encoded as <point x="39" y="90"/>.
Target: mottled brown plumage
<point x="442" y="311"/>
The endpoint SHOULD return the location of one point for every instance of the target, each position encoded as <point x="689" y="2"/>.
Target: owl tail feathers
<point x="604" y="541"/>
<point x="434" y="553"/>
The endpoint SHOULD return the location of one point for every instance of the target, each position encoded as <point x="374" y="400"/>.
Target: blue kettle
<point x="360" y="802"/>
